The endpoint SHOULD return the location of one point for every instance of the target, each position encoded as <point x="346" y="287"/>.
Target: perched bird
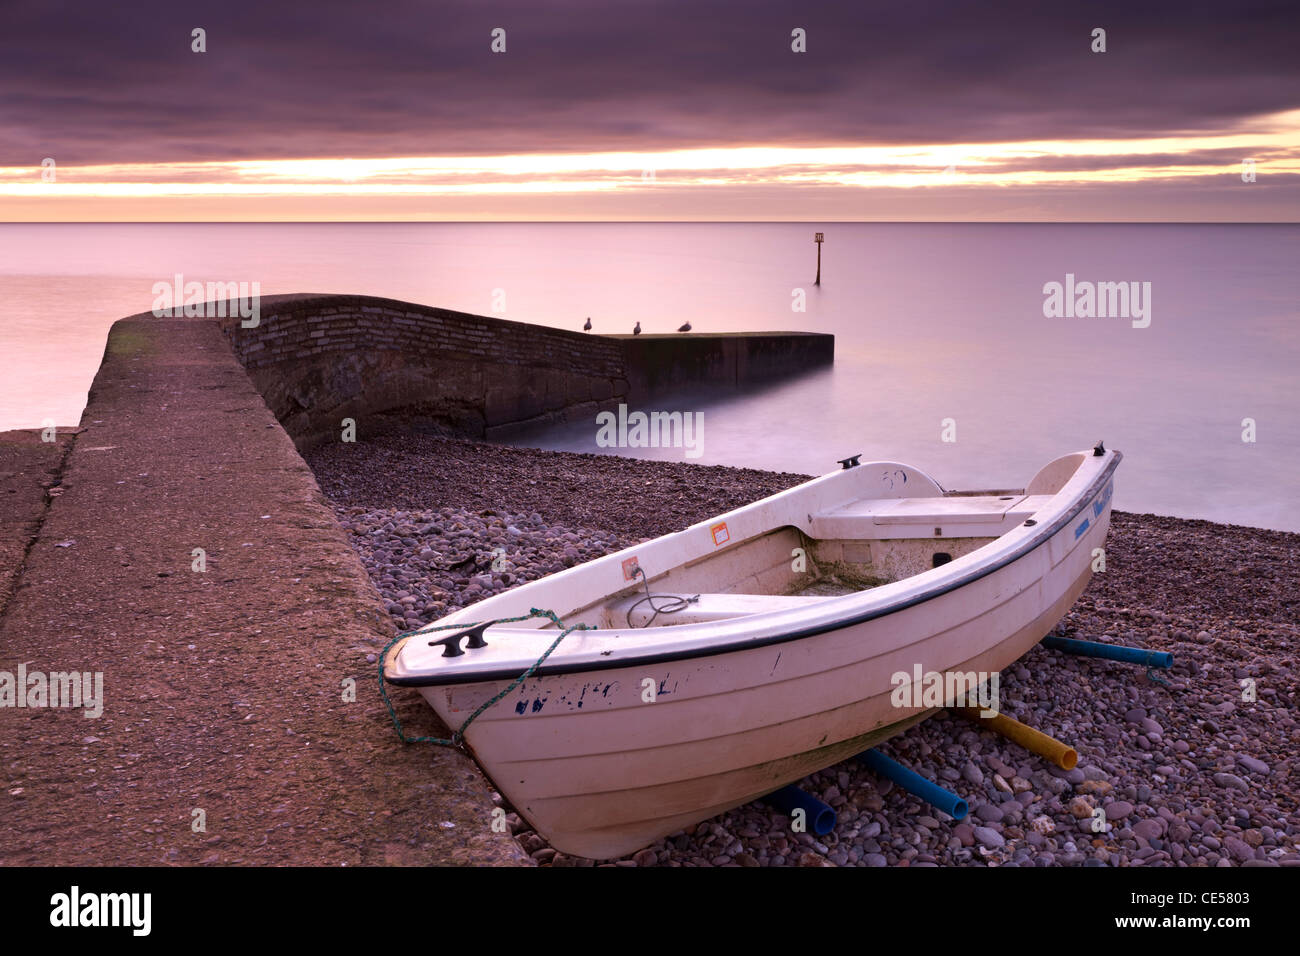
<point x="685" y="328"/>
<point x="587" y="327"/>
<point x="637" y="330"/>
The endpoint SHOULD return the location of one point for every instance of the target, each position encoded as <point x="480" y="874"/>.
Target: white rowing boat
<point x="795" y="613"/>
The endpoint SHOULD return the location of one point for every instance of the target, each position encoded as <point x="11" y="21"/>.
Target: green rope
<point x="458" y="736"/>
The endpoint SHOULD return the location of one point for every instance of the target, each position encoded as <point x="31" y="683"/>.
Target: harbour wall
<point x="318" y="360"/>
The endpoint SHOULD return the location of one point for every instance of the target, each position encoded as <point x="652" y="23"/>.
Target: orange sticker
<point x="720" y="534"/>
<point x="630" y="568"/>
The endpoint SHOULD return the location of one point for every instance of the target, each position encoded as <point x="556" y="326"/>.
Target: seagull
<point x="637" y="330"/>
<point x="685" y="328"/>
<point x="587" y="327"/>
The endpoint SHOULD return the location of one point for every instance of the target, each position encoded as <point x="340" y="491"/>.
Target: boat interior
<point x="863" y="543"/>
<point x="860" y="545"/>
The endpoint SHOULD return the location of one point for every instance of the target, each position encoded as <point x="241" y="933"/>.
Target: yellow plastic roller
<point x="1041" y="744"/>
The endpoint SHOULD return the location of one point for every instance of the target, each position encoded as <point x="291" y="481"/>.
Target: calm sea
<point x="932" y="323"/>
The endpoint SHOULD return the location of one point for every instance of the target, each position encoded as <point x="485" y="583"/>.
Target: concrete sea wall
<point x="656" y="362"/>
<point x="177" y="545"/>
<point x="239" y="683"/>
<point x="320" y="359"/>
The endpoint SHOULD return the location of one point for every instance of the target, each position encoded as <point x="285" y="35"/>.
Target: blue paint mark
<point x="1099" y="505"/>
<point x="521" y="707"/>
<point x="1081" y="529"/>
<point x="537" y="704"/>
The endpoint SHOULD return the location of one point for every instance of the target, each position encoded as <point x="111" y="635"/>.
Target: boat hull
<point x="605" y="762"/>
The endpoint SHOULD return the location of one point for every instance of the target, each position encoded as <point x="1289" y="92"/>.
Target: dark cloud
<point x="96" y="82"/>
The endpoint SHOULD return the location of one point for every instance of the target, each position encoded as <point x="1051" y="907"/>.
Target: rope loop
<point x="457" y="738"/>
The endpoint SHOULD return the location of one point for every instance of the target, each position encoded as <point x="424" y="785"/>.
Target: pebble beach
<point x="1193" y="766"/>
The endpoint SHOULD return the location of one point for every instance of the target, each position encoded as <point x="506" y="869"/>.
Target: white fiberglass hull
<point x="602" y="767"/>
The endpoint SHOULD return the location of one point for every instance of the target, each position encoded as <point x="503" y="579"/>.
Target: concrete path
<point x="223" y="689"/>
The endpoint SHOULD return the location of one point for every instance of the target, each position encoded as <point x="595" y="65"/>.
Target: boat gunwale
<point x="1038" y="538"/>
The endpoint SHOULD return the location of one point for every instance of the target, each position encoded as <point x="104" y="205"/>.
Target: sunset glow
<point x="633" y="112"/>
<point x="1274" y="145"/>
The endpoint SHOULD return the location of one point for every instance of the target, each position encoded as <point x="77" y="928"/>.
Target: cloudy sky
<point x="649" y="109"/>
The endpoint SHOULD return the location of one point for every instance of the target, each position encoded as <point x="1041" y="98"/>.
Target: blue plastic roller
<point x="915" y="784"/>
<point x="821" y="818"/>
<point x="1111" y="652"/>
